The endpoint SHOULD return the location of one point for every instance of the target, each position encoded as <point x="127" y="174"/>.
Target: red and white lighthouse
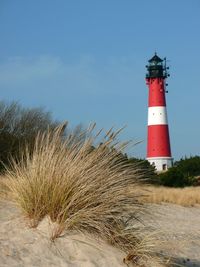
<point x="158" y="141"/>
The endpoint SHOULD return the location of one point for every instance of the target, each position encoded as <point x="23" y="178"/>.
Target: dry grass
<point x="84" y="189"/>
<point x="4" y="190"/>
<point x="188" y="196"/>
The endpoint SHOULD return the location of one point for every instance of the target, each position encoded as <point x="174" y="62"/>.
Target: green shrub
<point x="189" y="166"/>
<point x="184" y="173"/>
<point x="173" y="178"/>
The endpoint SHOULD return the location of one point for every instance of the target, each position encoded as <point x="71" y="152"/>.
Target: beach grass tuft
<point x="84" y="185"/>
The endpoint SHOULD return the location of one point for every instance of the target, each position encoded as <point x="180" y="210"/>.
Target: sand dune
<point x="22" y="246"/>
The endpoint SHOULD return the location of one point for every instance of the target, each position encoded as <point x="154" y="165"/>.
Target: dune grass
<point x="82" y="188"/>
<point x="188" y="196"/>
<point x="3" y="188"/>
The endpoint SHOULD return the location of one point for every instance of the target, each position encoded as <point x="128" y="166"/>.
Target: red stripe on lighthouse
<point x="158" y="144"/>
<point x="157" y="94"/>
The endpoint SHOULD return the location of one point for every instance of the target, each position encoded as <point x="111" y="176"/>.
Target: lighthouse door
<point x="164" y="167"/>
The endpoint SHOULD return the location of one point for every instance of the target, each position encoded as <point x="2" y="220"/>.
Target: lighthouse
<point x="158" y="141"/>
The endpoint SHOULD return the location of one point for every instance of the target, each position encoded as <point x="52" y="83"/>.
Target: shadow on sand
<point x="186" y="262"/>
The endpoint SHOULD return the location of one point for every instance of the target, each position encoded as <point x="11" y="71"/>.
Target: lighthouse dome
<point x="156" y="68"/>
<point x="155" y="60"/>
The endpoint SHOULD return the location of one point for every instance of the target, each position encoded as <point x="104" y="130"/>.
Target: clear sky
<point x="84" y="60"/>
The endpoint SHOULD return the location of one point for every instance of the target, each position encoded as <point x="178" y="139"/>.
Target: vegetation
<point x="185" y="172"/>
<point x="144" y="166"/>
<point x="20" y="126"/>
<point x="80" y="188"/>
<point x="190" y="167"/>
<point x="188" y="196"/>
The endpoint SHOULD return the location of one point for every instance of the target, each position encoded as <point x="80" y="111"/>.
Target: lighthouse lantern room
<point x="158" y="141"/>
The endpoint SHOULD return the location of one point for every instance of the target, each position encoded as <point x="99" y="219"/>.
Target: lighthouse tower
<point x="158" y="142"/>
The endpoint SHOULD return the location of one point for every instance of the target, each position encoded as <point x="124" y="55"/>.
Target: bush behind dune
<point x="82" y="187"/>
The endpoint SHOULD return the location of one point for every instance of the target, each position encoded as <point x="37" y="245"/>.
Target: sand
<point x="179" y="229"/>
<point x="22" y="246"/>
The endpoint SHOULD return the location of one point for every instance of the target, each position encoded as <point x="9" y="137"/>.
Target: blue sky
<point x="84" y="60"/>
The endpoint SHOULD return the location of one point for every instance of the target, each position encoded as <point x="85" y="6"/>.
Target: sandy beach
<point x="22" y="246"/>
<point x="179" y="228"/>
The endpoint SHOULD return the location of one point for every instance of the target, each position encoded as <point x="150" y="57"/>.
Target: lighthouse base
<point x="161" y="163"/>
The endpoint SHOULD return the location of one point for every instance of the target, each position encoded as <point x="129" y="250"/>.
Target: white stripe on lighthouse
<point x="157" y="115"/>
